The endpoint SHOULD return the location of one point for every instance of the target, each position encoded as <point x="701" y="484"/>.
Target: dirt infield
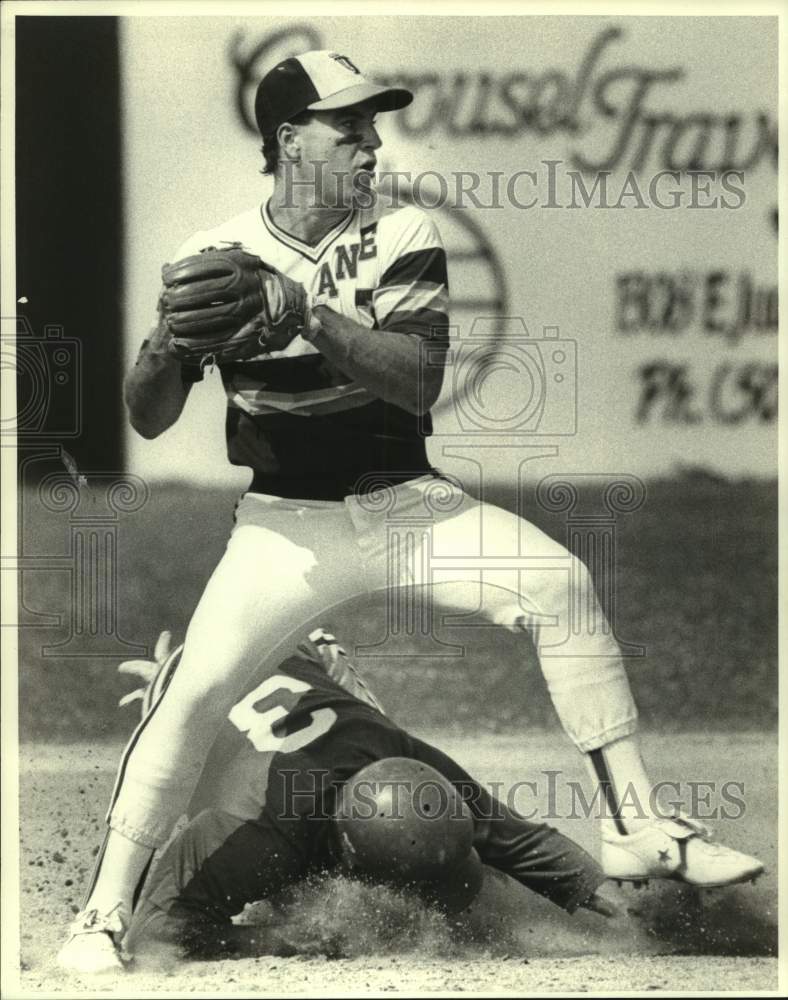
<point x="671" y="939"/>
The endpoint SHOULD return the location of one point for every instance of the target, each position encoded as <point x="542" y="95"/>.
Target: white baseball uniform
<point x="312" y="531"/>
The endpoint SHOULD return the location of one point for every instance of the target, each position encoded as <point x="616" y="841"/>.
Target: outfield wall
<point x="695" y="611"/>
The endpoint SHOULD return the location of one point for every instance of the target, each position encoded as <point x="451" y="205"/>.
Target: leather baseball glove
<point x="228" y="305"/>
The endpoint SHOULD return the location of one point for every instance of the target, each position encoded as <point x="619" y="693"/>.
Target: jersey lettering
<point x="369" y="248"/>
<point x="258" y="713"/>
<point x="347" y="258"/>
<point x="327" y="282"/>
<point x="346" y="262"/>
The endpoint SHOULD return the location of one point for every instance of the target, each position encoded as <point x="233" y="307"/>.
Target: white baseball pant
<point x="289" y="561"/>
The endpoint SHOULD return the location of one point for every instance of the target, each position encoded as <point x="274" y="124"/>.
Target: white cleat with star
<point x="680" y="849"/>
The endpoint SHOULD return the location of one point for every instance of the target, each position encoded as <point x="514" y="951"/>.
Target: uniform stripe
<point x="409" y="298"/>
<point x="312" y="410"/>
<point x="161" y="682"/>
<point x="418" y="265"/>
<point x="304" y="373"/>
<point x="150" y="702"/>
<point x="95" y="873"/>
<point x="341" y="669"/>
<point x="424" y="322"/>
<point x="305" y="404"/>
<point x="141" y="883"/>
<point x="606" y="784"/>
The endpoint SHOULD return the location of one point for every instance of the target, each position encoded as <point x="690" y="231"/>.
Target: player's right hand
<point x="146" y="669"/>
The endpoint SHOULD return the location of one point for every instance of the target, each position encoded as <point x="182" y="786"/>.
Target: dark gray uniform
<point x="260" y="820"/>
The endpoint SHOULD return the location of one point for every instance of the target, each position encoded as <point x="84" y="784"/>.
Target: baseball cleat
<point x="92" y="946"/>
<point x="680" y="849"/>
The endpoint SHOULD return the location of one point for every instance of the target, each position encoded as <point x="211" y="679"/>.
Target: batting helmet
<point x="403" y="822"/>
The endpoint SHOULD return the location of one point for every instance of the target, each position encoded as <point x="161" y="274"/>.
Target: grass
<point x="696" y="585"/>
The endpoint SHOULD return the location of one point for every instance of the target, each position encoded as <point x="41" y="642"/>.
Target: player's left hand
<point x="146" y="669"/>
<point x="227" y="304"/>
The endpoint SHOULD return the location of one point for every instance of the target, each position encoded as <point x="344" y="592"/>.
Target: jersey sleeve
<point x="322" y="649"/>
<point x="413" y="293"/>
<point x="539" y="857"/>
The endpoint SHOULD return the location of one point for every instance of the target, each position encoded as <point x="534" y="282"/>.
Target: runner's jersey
<point x="294" y="738"/>
<point x="315" y="715"/>
<point x="292" y="416"/>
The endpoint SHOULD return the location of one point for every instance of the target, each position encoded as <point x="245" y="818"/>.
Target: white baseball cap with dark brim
<point x="318" y="81"/>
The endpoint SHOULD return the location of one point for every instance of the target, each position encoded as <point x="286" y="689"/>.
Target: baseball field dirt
<point x="371" y="940"/>
<point x="696" y="588"/>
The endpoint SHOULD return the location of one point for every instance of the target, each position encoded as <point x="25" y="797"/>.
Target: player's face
<point x="340" y="148"/>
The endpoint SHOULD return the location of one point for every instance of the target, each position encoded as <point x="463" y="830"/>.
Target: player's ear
<point x="289" y="142"/>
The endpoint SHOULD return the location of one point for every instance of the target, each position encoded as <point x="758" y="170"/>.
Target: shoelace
<point x="93" y="921"/>
<point x="696" y="826"/>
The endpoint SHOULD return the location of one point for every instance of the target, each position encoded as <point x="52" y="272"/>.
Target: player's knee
<point x="559" y="592"/>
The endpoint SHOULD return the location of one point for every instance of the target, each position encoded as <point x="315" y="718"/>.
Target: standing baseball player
<point x="319" y="322"/>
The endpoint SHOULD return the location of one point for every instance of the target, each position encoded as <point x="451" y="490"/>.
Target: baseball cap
<point x="318" y="81"/>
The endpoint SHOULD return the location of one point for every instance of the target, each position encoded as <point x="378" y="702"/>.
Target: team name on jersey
<point x="345" y="261"/>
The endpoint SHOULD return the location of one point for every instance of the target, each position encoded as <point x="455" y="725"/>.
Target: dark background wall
<point x="69" y="240"/>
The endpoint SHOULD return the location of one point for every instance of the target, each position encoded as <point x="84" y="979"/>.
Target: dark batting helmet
<point x="402" y="822"/>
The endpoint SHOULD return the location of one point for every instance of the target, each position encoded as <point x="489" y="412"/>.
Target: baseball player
<point x="318" y="307"/>
<point x="308" y="775"/>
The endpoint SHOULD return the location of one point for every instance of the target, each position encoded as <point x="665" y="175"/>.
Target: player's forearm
<point x="154" y="391"/>
<point x="539" y="857"/>
<point x="387" y="363"/>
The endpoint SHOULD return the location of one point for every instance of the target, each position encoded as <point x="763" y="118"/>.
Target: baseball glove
<point x="228" y="305"/>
